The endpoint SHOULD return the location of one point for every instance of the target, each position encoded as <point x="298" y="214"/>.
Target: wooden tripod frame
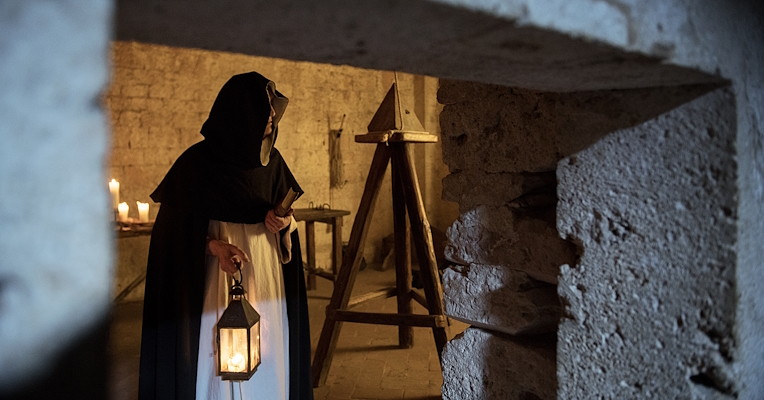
<point x="392" y="147"/>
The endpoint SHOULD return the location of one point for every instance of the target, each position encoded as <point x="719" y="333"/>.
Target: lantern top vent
<point x="236" y="313"/>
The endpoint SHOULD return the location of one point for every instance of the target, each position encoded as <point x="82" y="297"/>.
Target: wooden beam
<point x="420" y="228"/>
<point x="310" y="238"/>
<point x="396" y="137"/>
<point x="402" y="236"/>
<point x="386" y="293"/>
<point x="426" y="321"/>
<point x="320" y="272"/>
<point x="351" y="262"/>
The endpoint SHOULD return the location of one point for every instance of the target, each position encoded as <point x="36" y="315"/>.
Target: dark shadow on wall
<point x="585" y="117"/>
<point x="415" y="36"/>
<point x="80" y="372"/>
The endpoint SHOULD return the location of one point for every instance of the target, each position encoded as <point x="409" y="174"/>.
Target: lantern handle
<point x="237" y="282"/>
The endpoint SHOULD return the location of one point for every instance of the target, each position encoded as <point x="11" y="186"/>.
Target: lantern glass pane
<point x="233" y="350"/>
<point x="254" y="346"/>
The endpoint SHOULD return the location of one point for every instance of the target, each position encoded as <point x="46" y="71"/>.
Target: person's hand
<point x="274" y="223"/>
<point x="228" y="255"/>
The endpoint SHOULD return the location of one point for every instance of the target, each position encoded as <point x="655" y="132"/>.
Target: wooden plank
<point x="320" y="215"/>
<point x="310" y="238"/>
<point x="351" y="262"/>
<point x="386" y="293"/>
<point x="402" y="257"/>
<point x="420" y="228"/>
<point x="426" y="321"/>
<point x="134" y="284"/>
<point x="396" y="137"/>
<point x="320" y="272"/>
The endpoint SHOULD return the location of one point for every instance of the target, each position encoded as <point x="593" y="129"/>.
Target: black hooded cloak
<point x="233" y="175"/>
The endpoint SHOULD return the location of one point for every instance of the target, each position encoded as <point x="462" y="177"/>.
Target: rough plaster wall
<point x="650" y="307"/>
<point x="54" y="247"/>
<point x="160" y="97"/>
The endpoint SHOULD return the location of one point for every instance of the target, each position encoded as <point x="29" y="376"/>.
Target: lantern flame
<point x="237" y="363"/>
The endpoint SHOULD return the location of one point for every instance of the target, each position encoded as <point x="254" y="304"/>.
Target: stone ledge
<point x="522" y="240"/>
<point x="500" y="299"/>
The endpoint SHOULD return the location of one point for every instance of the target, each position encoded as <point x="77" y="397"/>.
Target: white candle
<point x="143" y="212"/>
<point x="123" y="209"/>
<point x="114" y="189"/>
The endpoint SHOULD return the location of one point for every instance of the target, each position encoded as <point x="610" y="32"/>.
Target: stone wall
<point x="54" y="62"/>
<point x="160" y="97"/>
<point x="654" y="210"/>
<point x="503" y="145"/>
<point x="56" y="251"/>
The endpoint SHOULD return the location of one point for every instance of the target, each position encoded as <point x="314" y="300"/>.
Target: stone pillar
<point x="650" y="307"/>
<point x="55" y="248"/>
<point x="500" y="144"/>
<point x="501" y="147"/>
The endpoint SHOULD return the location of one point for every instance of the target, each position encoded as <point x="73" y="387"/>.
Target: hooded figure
<point x="220" y="193"/>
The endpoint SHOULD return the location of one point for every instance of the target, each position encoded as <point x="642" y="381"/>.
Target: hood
<point x="236" y="125"/>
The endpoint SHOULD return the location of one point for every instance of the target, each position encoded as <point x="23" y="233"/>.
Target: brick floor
<point x="367" y="363"/>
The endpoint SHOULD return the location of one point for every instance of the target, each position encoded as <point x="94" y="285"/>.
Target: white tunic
<point x="264" y="285"/>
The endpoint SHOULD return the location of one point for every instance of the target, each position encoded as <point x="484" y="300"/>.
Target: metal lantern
<point x="238" y="337"/>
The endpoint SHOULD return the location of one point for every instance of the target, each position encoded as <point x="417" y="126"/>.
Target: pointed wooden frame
<point x="392" y="148"/>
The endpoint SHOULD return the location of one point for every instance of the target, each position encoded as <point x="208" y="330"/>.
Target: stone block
<point x="160" y="90"/>
<point x="650" y="307"/>
<point x="502" y="130"/>
<point x="521" y="240"/>
<point x="497" y="298"/>
<point x="55" y="277"/>
<point x="480" y="365"/>
<point x="134" y="90"/>
<point x="472" y="188"/>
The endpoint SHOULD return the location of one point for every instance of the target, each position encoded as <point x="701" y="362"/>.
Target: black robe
<point x="223" y="178"/>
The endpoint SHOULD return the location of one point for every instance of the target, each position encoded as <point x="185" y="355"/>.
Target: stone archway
<point x="56" y="133"/>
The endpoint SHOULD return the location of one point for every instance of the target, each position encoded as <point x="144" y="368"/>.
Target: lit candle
<point x="123" y="209"/>
<point x="143" y="212"/>
<point x="114" y="189"/>
<point x="236" y="363"/>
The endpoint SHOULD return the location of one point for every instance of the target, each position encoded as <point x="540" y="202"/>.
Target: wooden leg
<point x="310" y="238"/>
<point x="402" y="258"/>
<point x="351" y="262"/>
<point x="420" y="228"/>
<point x="336" y="245"/>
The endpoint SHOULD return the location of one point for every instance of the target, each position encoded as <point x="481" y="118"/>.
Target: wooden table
<point x="132" y="229"/>
<point x="326" y="216"/>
